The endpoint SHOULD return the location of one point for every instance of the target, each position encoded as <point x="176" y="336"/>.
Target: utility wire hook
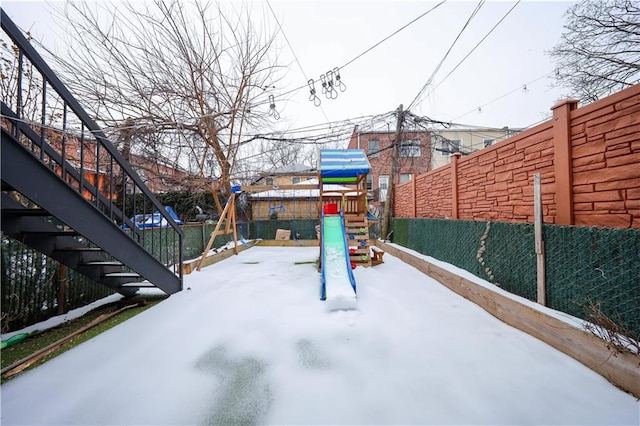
<point x="312" y="90"/>
<point x="339" y="81"/>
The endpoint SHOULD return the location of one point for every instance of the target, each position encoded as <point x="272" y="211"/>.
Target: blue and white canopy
<point x="343" y="165"/>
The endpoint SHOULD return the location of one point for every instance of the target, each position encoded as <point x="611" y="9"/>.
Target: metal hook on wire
<point x="272" y="108"/>
<point x="312" y="90"/>
<point x="339" y="81"/>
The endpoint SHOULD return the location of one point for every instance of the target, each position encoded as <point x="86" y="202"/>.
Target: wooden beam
<point x="539" y="243"/>
<point x="189" y="267"/>
<point x="621" y="369"/>
<point x="289" y="243"/>
<point x="215" y="232"/>
<point x="254" y="188"/>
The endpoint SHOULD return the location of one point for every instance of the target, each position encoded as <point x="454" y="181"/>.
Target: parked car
<point x="155" y="220"/>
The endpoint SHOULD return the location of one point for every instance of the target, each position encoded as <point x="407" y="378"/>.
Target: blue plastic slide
<point x="338" y="283"/>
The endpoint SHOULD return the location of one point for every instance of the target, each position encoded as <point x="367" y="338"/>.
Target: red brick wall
<point x="605" y="141"/>
<point x="381" y="164"/>
<point x="588" y="158"/>
<point x="435" y="189"/>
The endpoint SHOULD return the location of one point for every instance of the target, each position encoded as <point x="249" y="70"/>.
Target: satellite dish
<point x="276" y="186"/>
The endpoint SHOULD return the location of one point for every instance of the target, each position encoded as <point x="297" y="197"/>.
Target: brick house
<point x="414" y="158"/>
<point x="158" y="175"/>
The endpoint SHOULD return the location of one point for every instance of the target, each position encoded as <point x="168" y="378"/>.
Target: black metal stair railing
<point x="42" y="118"/>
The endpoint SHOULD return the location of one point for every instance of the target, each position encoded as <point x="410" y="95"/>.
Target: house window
<point x="405" y="177"/>
<point x="449" y="146"/>
<point x="369" y="182"/>
<point x="268" y="181"/>
<point x="383" y="184"/>
<point x="456" y="145"/>
<point x="488" y="142"/>
<point x="296" y="180"/>
<point x="373" y="149"/>
<point x="410" y="148"/>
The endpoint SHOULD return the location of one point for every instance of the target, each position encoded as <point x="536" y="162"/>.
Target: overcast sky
<point x="504" y="82"/>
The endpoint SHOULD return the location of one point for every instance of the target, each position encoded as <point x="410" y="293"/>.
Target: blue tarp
<point x="155" y="220"/>
<point x="343" y="163"/>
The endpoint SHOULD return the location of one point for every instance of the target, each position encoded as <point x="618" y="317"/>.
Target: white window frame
<point x="373" y="153"/>
<point x="410" y="148"/>
<point x="383" y="185"/>
<point x="405" y="177"/>
<point x="448" y="146"/>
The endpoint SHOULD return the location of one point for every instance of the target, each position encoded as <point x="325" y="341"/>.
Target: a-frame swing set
<point x="228" y="215"/>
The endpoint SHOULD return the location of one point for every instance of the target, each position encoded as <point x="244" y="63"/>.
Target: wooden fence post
<point x="62" y="288"/>
<point x="539" y="247"/>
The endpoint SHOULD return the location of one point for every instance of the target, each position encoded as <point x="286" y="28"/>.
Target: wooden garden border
<point x="622" y="369"/>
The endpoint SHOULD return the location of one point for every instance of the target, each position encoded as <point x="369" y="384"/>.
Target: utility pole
<point x="388" y="204"/>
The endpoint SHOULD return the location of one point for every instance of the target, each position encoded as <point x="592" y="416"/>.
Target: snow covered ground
<point x="249" y="342"/>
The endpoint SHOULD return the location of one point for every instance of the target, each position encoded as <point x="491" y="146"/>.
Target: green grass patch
<point x="40" y="340"/>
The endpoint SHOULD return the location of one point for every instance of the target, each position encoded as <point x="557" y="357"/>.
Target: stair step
<point x="79" y="249"/>
<point x="103" y="263"/>
<point x="136" y="285"/>
<point x="122" y="275"/>
<point x="54" y="233"/>
<point x="25" y="212"/>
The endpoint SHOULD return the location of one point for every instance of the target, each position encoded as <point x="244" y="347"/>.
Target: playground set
<point x="344" y="222"/>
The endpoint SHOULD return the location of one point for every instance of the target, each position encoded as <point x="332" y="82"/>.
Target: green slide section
<point x="338" y="283"/>
<point x="333" y="236"/>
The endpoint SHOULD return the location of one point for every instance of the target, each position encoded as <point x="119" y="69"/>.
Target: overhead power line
<point x="435" y="71"/>
<point x="519" y="88"/>
<point x="295" y="56"/>
<point x="393" y="34"/>
<point x="478" y="44"/>
<point x="306" y="85"/>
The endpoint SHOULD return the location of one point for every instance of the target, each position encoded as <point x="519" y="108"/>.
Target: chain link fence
<point x="583" y="266"/>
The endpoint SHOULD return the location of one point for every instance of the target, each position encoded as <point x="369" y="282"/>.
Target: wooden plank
<point x="622" y="369"/>
<point x="31" y="359"/>
<point x="215" y="232"/>
<point x="189" y="267"/>
<point x="257" y="188"/>
<point x="289" y="243"/>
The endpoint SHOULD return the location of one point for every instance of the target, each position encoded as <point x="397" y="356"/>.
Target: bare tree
<point x="189" y="73"/>
<point x="599" y="53"/>
<point x="21" y="87"/>
<point x="278" y="153"/>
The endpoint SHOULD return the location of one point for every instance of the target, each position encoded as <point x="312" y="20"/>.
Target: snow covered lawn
<point x="249" y="342"/>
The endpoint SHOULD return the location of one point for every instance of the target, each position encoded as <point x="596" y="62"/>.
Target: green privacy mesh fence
<point x="303" y="229"/>
<point x="596" y="265"/>
<point x="583" y="265"/>
<point x="196" y="237"/>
